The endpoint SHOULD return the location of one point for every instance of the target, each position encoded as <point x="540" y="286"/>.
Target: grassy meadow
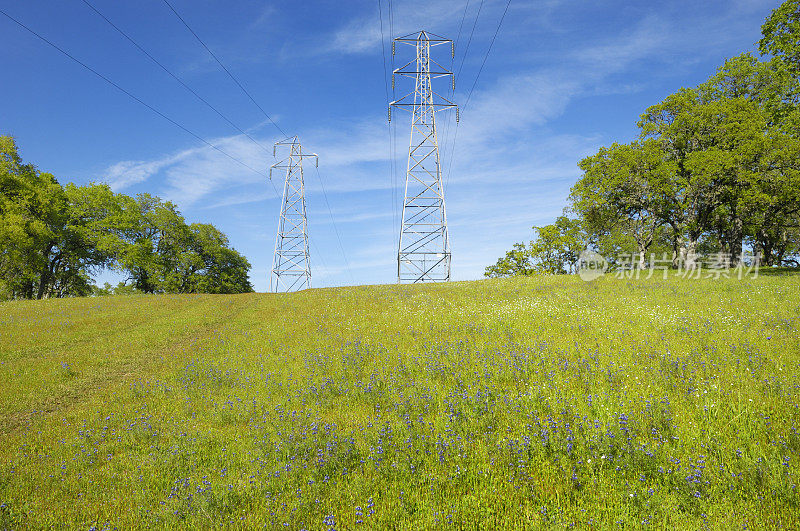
<point x="523" y="403"/>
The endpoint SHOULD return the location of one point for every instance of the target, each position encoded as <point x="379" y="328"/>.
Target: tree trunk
<point x="682" y="251"/>
<point x="644" y="243"/>
<point x="779" y="250"/>
<point x="735" y="239"/>
<point x="690" y="256"/>
<point x="676" y="250"/>
<point x="43" y="279"/>
<point x="758" y="252"/>
<point x="46" y="274"/>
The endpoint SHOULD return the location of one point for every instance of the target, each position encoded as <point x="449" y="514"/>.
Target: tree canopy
<point x="716" y="167"/>
<point x="53" y="238"/>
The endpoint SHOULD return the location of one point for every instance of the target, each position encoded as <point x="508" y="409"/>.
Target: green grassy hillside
<point x="517" y="403"/>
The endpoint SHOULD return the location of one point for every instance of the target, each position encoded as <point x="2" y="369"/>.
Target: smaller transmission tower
<point x="291" y="266"/>
<point x="423" y="253"/>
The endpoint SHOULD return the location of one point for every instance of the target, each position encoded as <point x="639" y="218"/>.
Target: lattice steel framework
<point x="291" y="265"/>
<point x="423" y="252"/>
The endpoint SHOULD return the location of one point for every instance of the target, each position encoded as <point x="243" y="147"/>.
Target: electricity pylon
<point x="291" y="265"/>
<point x="423" y="252"/>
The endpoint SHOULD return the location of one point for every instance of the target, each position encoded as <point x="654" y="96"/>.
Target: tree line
<point x="53" y="238"/>
<point x="715" y="170"/>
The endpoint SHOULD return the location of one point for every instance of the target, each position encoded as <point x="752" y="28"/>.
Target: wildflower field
<point x="523" y="403"/>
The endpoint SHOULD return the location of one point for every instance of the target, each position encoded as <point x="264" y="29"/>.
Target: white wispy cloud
<point x="127" y="173"/>
<point x="363" y="34"/>
<point x="192" y="174"/>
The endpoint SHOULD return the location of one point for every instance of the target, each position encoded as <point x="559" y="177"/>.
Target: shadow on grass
<point x="778" y="271"/>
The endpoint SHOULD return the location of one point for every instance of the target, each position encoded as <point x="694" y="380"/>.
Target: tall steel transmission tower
<point x="423" y="253"/>
<point x="291" y="266"/>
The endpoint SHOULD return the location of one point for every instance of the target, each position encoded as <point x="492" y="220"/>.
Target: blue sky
<point x="562" y="79"/>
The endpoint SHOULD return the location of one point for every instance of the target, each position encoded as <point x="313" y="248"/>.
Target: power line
<point x="471" y="33"/>
<point x="395" y="181"/>
<point x="461" y="25"/>
<point x="485" y="57"/>
<point x="118" y="87"/>
<point x="383" y="50"/>
<point x="469" y="96"/>
<point x="452" y="88"/>
<point x="280" y="196"/>
<point x="175" y="77"/>
<point x="225" y="68"/>
<point x="391" y="26"/>
<point x="183" y="84"/>
<point x="393" y="128"/>
<point x="389" y="125"/>
<point x="235" y="80"/>
<point x="458" y="77"/>
<point x="336" y="230"/>
<point x="316" y="250"/>
<point x="452" y="153"/>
